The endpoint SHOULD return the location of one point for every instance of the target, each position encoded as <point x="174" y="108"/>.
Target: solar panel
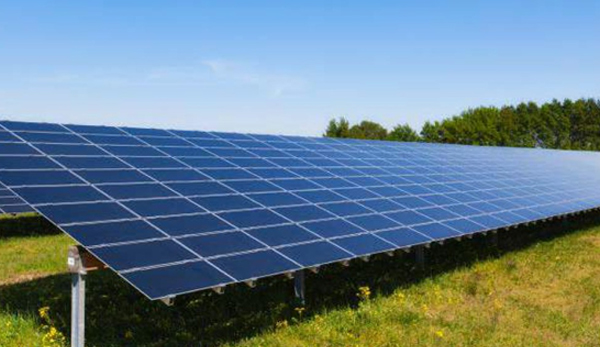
<point x="176" y="211"/>
<point x="11" y="204"/>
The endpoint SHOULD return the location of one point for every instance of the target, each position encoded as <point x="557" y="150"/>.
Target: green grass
<point x="541" y="287"/>
<point x="26" y="258"/>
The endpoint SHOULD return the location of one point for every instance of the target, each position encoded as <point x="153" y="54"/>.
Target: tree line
<point x="557" y="124"/>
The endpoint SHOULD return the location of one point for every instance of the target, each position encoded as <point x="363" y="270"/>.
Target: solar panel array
<point x="11" y="204"/>
<point x="179" y="211"/>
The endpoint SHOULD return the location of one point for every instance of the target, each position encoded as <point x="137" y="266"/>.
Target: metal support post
<point x="299" y="286"/>
<point x="79" y="262"/>
<point x="420" y="257"/>
<point x="77" y="309"/>
<point x="78" y="274"/>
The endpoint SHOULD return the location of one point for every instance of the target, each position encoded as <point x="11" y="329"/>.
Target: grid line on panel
<point x="341" y="217"/>
<point x="373" y="211"/>
<point x="126" y="208"/>
<point x="282" y="216"/>
<point x="223" y="220"/>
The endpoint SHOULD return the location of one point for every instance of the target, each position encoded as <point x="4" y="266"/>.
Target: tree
<point x="432" y="132"/>
<point x="368" y="130"/>
<point x="404" y="133"/>
<point x="565" y="125"/>
<point x="339" y="128"/>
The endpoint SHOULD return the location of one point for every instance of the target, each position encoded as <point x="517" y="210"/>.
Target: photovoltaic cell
<point x="175" y="211"/>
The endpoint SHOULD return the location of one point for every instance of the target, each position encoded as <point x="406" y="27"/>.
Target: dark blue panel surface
<point x="252" y="186"/>
<point x="49" y="137"/>
<point x="316" y="253"/>
<point x="8" y="137"/>
<point x="437" y="213"/>
<point x="136" y="191"/>
<point x="164" y="141"/>
<point x="332" y="228"/>
<point x="281" y="235"/>
<point x="412" y="202"/>
<point x="373" y="222"/>
<point x="45" y="195"/>
<point x="91" y="163"/>
<point x="463" y="210"/>
<point x="332" y="183"/>
<point x="465" y="226"/>
<point x="403" y="237"/>
<point x="78" y="213"/>
<point x="490" y="222"/>
<point x="253" y="218"/>
<point x="221" y="243"/>
<point x="143" y="254"/>
<point x="356" y="193"/>
<point x="133" y="151"/>
<point x="60" y="149"/>
<point x="228" y="174"/>
<point x="196" y="224"/>
<point x="177" y="175"/>
<point x="225" y="203"/>
<point x="33" y="178"/>
<point x="26" y="163"/>
<point x="162" y="207"/>
<point x="200" y="188"/>
<point x="30" y="126"/>
<point x="303" y="213"/>
<point x="17" y="149"/>
<point x="273" y="173"/>
<point x="113" y="232"/>
<point x="344" y="209"/>
<point x="112" y="140"/>
<point x="142" y="132"/>
<point x="319" y="196"/>
<point x="153" y="163"/>
<point x="276" y="199"/>
<point x="251" y="162"/>
<point x="365" y="244"/>
<point x="408" y="218"/>
<point x="178" y="279"/>
<point x="436" y="230"/>
<point x="113" y="176"/>
<point x="16" y="209"/>
<point x="255" y="265"/>
<point x="94" y="129"/>
<point x="185" y="152"/>
<point x="295" y="184"/>
<point x="382" y="205"/>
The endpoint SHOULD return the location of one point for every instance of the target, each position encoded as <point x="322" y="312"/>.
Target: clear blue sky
<point x="289" y="66"/>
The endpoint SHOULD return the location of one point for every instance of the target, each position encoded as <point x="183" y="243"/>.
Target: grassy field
<point x="540" y="287"/>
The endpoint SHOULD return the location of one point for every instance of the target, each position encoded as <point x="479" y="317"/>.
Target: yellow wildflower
<point x="364" y="293"/>
<point x="43" y="312"/>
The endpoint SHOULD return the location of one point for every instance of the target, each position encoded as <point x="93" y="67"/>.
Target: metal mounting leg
<point x="79" y="262"/>
<point x="299" y="286"/>
<point x="77" y="309"/>
<point x="420" y="257"/>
